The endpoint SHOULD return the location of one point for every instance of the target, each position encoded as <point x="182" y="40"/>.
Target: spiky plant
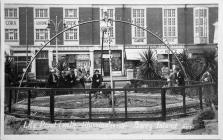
<point x="193" y="68"/>
<point x="148" y="65"/>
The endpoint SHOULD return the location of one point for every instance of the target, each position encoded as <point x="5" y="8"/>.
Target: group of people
<point x="71" y="80"/>
<point x="176" y="78"/>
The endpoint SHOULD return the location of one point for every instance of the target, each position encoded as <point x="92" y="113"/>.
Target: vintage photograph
<point x="112" y="67"/>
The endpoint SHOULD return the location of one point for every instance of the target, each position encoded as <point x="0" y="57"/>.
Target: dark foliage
<point x="148" y="67"/>
<point x="193" y="67"/>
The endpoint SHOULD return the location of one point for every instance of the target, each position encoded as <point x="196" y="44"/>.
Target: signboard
<point x="82" y="57"/>
<point x="11" y="23"/>
<point x="70" y="22"/>
<point x="153" y="47"/>
<point x="41" y="23"/>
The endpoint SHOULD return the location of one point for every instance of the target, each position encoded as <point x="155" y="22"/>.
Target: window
<point x="41" y="13"/>
<point x="11" y="34"/>
<point x="11" y="13"/>
<point x="170" y="25"/>
<point x="200" y="25"/>
<point x="71" y="34"/>
<point x="138" y="16"/>
<point x="41" y="34"/>
<point x="111" y="15"/>
<point x="70" y="13"/>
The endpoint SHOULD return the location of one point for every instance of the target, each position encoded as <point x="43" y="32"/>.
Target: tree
<point x="147" y="69"/>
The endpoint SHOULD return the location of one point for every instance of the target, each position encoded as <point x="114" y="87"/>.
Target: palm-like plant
<point x="193" y="68"/>
<point x="148" y="66"/>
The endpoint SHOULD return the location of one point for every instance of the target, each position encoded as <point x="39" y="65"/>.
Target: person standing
<point x="88" y="80"/>
<point x="80" y="78"/>
<point x="62" y="82"/>
<point x="207" y="90"/>
<point x="179" y="76"/>
<point x="52" y="79"/>
<point x="8" y="82"/>
<point x="171" y="81"/>
<point x="97" y="79"/>
<point x="71" y="79"/>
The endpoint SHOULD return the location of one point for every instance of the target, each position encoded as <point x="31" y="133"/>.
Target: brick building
<point x="184" y="26"/>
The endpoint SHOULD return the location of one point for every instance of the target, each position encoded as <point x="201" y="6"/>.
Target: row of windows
<point x="41" y="34"/>
<point x="138" y="17"/>
<point x="40" y="13"/>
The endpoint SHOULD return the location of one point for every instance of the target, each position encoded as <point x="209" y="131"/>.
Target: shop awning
<point x="134" y="54"/>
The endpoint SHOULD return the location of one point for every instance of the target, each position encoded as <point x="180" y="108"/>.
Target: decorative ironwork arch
<point x="92" y="21"/>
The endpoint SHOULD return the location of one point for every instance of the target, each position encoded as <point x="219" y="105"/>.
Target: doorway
<point x="106" y="67"/>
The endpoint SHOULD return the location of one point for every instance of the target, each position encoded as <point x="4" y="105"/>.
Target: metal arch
<point x="91" y="21"/>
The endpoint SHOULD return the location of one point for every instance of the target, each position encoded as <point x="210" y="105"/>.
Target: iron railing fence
<point x="67" y="104"/>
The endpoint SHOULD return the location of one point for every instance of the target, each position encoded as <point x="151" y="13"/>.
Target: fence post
<point x="15" y="92"/>
<point x="184" y="100"/>
<point x="90" y="105"/>
<point x="28" y="103"/>
<point x="126" y="105"/>
<point x="52" y="106"/>
<point x="200" y="97"/>
<point x="113" y="82"/>
<point x="10" y="101"/>
<point x="163" y="103"/>
<point x="135" y="86"/>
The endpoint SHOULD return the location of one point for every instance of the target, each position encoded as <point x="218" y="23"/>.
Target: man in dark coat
<point x="71" y="79"/>
<point x="8" y="82"/>
<point x="52" y="79"/>
<point x="62" y="83"/>
<point x="179" y="76"/>
<point x="96" y="80"/>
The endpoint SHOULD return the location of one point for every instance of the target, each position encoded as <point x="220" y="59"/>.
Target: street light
<point x="106" y="29"/>
<point x="56" y="25"/>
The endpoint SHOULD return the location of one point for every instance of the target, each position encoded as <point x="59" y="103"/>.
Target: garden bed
<point x="76" y="105"/>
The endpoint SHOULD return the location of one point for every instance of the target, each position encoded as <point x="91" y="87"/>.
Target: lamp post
<point x="106" y="27"/>
<point x="56" y="25"/>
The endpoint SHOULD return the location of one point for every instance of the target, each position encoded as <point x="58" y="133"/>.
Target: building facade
<point x="183" y="26"/>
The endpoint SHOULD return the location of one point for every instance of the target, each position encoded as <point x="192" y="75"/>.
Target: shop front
<point x="116" y="62"/>
<point x="74" y="61"/>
